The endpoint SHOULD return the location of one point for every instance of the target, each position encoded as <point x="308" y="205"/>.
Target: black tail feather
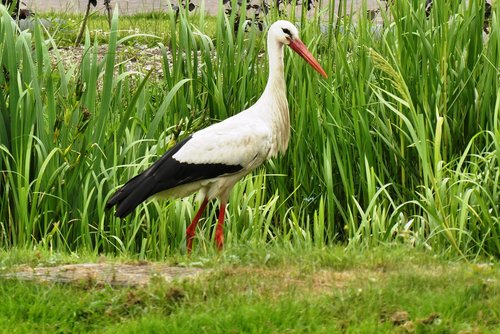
<point x="133" y="193"/>
<point x="142" y="186"/>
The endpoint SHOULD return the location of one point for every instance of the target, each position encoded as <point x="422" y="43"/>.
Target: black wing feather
<point x="166" y="173"/>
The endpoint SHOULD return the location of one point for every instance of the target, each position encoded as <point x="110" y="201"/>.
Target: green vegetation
<point x="317" y="291"/>
<point x="396" y="153"/>
<point x="400" y="144"/>
<point x="147" y="28"/>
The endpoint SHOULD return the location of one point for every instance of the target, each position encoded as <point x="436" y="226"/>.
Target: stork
<point x="213" y="159"/>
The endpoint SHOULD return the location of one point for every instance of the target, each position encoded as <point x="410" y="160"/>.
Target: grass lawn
<point x="399" y="146"/>
<point x="329" y="290"/>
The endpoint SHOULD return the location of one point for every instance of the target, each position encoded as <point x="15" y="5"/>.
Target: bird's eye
<point x="286" y="31"/>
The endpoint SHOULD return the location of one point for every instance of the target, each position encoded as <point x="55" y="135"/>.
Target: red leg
<point x="191" y="229"/>
<point x="219" y="230"/>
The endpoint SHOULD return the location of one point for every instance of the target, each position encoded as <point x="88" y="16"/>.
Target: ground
<point x="328" y="290"/>
<point x="139" y="58"/>
<point x="115" y="274"/>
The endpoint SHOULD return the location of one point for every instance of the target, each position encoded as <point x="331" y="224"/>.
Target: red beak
<point x="298" y="46"/>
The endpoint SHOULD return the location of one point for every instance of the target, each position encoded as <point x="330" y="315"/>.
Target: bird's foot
<point x="190" y="233"/>
<point x="189" y="244"/>
<point x="219" y="240"/>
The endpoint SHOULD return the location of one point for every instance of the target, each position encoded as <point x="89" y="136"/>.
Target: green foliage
<point x="400" y="143"/>
<point x="327" y="290"/>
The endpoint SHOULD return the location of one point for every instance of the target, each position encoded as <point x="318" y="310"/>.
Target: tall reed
<point x="400" y="144"/>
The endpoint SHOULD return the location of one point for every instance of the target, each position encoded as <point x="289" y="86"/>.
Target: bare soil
<point x="105" y="273"/>
<point x="140" y="274"/>
<point x="138" y="58"/>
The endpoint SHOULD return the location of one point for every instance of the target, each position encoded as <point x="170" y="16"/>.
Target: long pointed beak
<point x="298" y="46"/>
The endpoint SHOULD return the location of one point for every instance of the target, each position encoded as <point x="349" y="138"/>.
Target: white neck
<point x="273" y="102"/>
<point x="276" y="79"/>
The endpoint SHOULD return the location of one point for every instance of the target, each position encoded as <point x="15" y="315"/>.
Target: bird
<point x="212" y="160"/>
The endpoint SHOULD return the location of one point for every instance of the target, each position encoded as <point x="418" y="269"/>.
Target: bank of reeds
<point x="400" y="144"/>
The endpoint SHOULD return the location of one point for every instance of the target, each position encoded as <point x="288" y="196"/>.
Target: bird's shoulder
<point x="237" y="140"/>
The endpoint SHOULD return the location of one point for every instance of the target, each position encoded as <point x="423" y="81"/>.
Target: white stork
<point x="213" y="159"/>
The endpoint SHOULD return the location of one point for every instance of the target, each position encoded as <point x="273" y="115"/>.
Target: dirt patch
<point x="116" y="274"/>
<point x="139" y="58"/>
<point x="105" y="273"/>
<point x="277" y="281"/>
<point x="268" y="281"/>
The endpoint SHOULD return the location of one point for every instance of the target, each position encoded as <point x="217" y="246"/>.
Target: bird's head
<point x="286" y="33"/>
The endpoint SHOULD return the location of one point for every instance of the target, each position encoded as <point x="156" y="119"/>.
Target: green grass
<point x="391" y="179"/>
<point x="146" y="28"/>
<point x="399" y="145"/>
<point x="325" y="290"/>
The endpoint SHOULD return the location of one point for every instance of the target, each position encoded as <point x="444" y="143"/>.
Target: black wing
<point x="166" y="173"/>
